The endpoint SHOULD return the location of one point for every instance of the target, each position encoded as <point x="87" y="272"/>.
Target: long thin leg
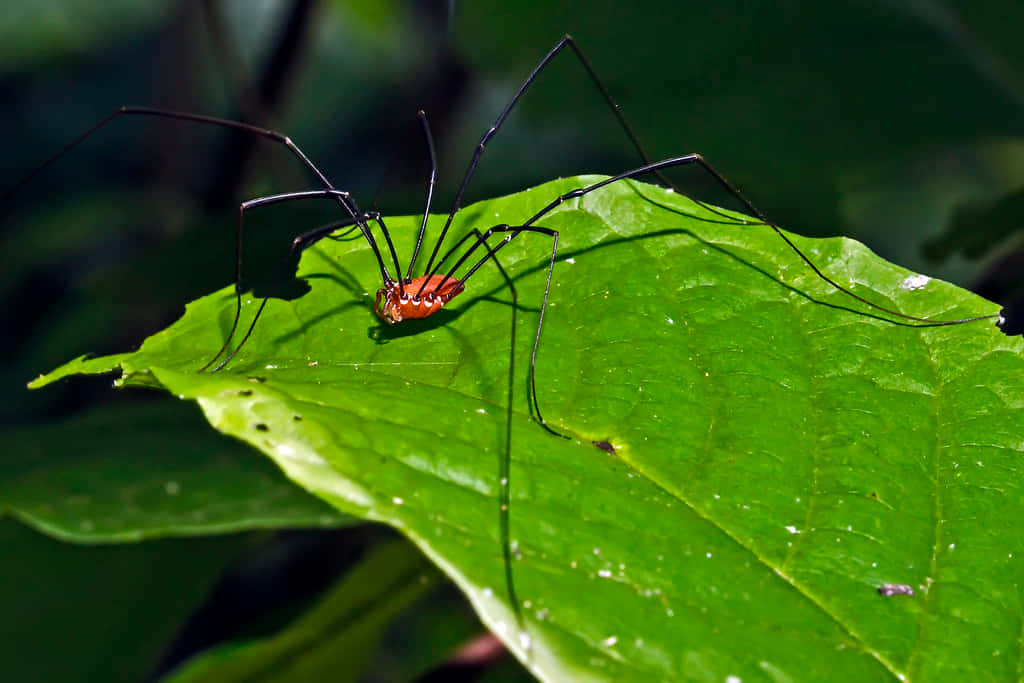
<point x="430" y="192"/>
<point x="648" y="167"/>
<point x="300" y="243"/>
<point x="454" y="248"/>
<point x="543" y="308"/>
<point x="360" y="219"/>
<point x="345" y="201"/>
<point x="528" y="226"/>
<point x="566" y="40"/>
<point x="514" y="231"/>
<point x="702" y="163"/>
<point x="569" y="41"/>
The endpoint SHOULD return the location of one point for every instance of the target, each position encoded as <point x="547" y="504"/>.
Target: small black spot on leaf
<point x="260" y="427"/>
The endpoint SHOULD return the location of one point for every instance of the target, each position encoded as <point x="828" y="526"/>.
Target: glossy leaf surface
<point x="780" y="452"/>
<point x="128" y="473"/>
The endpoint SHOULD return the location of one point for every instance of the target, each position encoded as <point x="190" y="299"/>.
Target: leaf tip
<point x="83" y="365"/>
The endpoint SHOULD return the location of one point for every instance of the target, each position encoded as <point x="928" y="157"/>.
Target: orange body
<point x="393" y="307"/>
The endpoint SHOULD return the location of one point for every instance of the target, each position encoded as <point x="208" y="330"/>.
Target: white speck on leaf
<point x="915" y="282"/>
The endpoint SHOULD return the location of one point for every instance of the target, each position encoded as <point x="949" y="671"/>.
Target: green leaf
<point x="780" y="452"/>
<point x="334" y="640"/>
<point x="128" y="473"/>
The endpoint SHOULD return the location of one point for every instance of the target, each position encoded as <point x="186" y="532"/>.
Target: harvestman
<point x="403" y="296"/>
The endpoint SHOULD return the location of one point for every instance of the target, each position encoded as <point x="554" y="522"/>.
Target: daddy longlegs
<point x="403" y="296"/>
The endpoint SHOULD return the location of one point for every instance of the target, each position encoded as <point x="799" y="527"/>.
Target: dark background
<point x="896" y="123"/>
